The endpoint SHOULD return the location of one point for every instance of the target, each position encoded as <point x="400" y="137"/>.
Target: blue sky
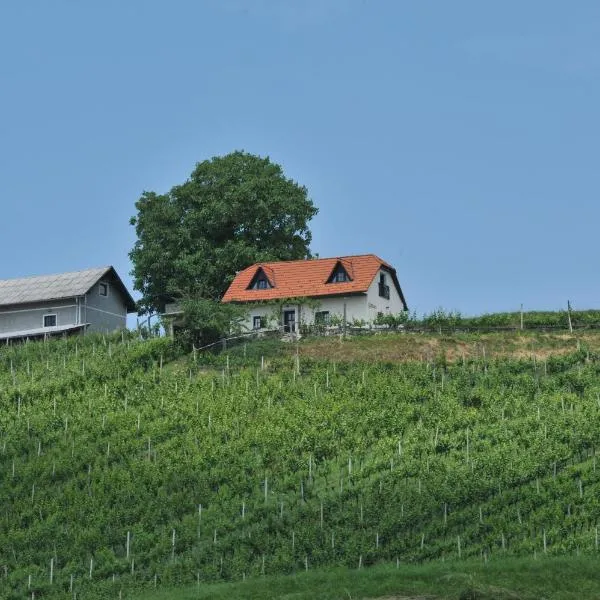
<point x="458" y="140"/>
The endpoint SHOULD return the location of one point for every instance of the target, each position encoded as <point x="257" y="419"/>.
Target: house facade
<point x="324" y="291"/>
<point x="90" y="300"/>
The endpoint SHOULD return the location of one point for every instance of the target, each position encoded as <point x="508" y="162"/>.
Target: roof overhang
<point x="296" y="299"/>
<point x="394" y="276"/>
<point x="41" y="331"/>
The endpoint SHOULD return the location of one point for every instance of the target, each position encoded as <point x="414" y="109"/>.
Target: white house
<point x="325" y="290"/>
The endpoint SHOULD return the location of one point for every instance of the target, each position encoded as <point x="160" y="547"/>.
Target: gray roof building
<point x="89" y="300"/>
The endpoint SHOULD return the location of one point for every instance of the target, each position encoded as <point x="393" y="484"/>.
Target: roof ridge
<point x="103" y="268"/>
<point x="298" y="260"/>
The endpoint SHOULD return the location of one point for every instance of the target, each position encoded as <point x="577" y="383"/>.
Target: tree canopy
<point x="233" y="211"/>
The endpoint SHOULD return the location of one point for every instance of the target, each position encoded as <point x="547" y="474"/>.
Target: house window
<point x="260" y="281"/>
<point x="258" y="323"/>
<point x="103" y="289"/>
<point x="49" y="320"/>
<point x="322" y="317"/>
<point x="384" y="289"/>
<point x="339" y="275"/>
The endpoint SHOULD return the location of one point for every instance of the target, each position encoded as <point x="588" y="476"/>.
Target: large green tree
<point x="234" y="210"/>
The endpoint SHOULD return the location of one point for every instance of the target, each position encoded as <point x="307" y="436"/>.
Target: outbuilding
<point x="41" y="306"/>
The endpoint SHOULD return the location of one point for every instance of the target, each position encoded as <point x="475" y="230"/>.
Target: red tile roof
<point x="308" y="278"/>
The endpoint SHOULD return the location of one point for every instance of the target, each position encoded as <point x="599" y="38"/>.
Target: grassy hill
<point x="125" y="466"/>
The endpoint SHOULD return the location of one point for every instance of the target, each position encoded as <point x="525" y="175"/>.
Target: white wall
<point x="356" y="308"/>
<point x="377" y="304"/>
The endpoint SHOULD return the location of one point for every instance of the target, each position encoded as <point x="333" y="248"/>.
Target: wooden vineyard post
<point x="544" y="540"/>
<point x="521" y="317"/>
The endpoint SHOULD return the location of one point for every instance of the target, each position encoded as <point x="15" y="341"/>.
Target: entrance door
<point x="289" y="321"/>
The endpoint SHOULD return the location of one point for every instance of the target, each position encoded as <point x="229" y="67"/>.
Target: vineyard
<point x="126" y="465"/>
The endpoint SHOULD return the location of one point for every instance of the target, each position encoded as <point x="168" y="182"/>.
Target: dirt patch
<point x="403" y="347"/>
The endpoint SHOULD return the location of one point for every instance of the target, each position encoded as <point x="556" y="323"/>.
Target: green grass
<point x="563" y="578"/>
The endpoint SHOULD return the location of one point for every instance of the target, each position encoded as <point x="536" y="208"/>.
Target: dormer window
<point x="260" y="281"/>
<point x="339" y="275"/>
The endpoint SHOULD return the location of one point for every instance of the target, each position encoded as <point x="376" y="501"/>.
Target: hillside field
<point x="129" y="468"/>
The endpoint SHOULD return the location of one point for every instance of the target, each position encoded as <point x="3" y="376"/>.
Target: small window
<point x="49" y="320"/>
<point x="384" y="289"/>
<point x="260" y="281"/>
<point x="258" y="323"/>
<point x="339" y="275"/>
<point x="103" y="289"/>
<point x="322" y="317"/>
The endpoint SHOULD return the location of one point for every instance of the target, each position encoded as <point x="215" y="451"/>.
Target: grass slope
<point x="120" y="471"/>
<point x="558" y="578"/>
<point x="398" y="347"/>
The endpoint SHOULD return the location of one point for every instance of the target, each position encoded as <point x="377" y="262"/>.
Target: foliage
<point x="452" y="320"/>
<point x="397" y="321"/>
<point x="233" y="211"/>
<point x="266" y="466"/>
<point x="442" y="318"/>
<point x="206" y="321"/>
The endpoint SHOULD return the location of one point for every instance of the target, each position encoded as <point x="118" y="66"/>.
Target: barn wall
<point x="22" y="317"/>
<point x="105" y="314"/>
